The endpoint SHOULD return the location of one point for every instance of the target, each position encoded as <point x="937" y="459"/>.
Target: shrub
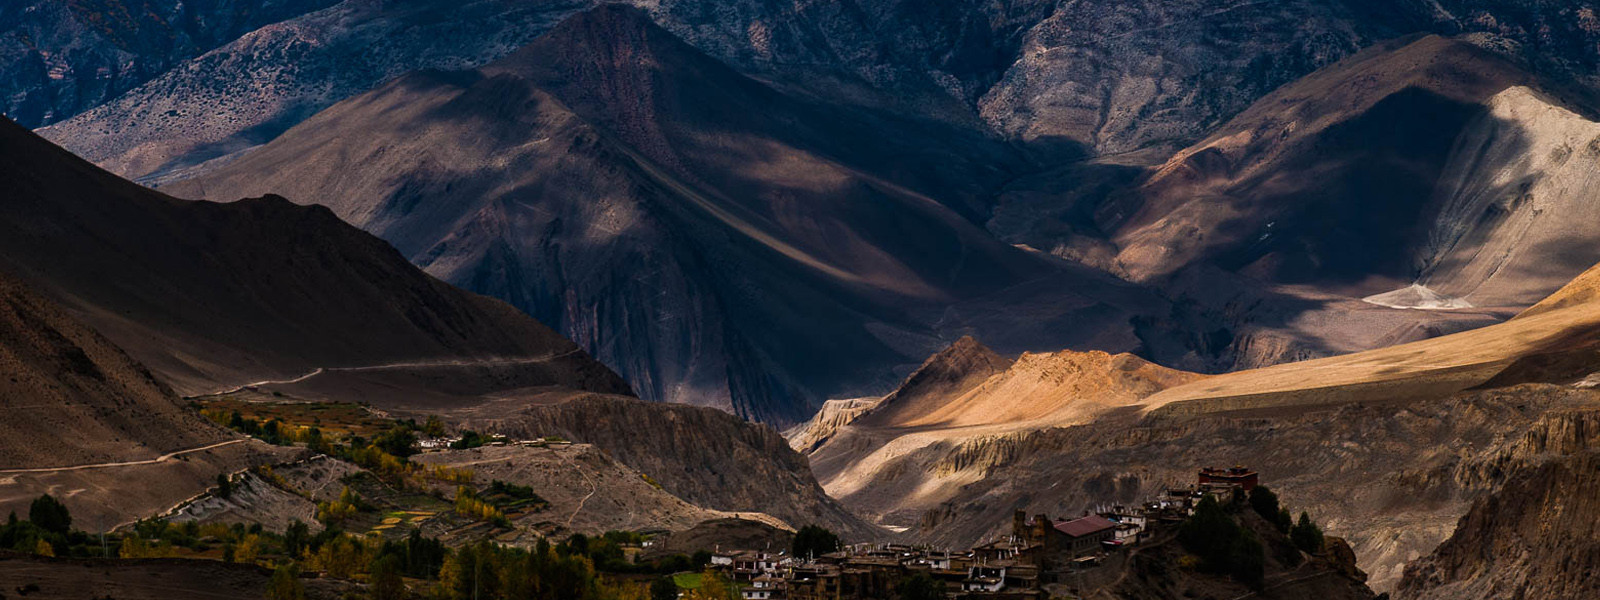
<point x="1306" y="535"/>
<point x="1265" y="503"/>
<point x="285" y="584"/>
<point x="663" y="588"/>
<point x="814" y="540"/>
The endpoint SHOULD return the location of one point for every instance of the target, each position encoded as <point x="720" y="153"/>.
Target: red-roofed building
<point x="1084" y="536"/>
<point x="1243" y="478"/>
<point x="1049" y="540"/>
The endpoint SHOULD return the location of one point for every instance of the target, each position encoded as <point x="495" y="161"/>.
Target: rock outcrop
<point x="59" y="58"/>
<point x="1538" y="536"/>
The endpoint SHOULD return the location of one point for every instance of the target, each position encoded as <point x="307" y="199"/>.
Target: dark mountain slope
<point x="215" y="295"/>
<point x="85" y="422"/>
<point x="714" y="240"/>
<point x="65" y="383"/>
<point x="1321" y="180"/>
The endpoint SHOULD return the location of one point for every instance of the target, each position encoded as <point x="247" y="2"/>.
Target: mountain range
<point x="714" y="240"/>
<point x="969" y="258"/>
<point x="956" y="134"/>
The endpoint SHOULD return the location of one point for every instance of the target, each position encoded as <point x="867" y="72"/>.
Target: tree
<point x="712" y="587"/>
<point x="285" y="584"/>
<point x="295" y="538"/>
<point x="664" y="588"/>
<point x="1284" y="521"/>
<point x="398" y="441"/>
<point x="1306" y="535"/>
<point x="50" y="514"/>
<point x="247" y="549"/>
<point x="224" y="486"/>
<point x="44" y="548"/>
<point x="434" y="427"/>
<point x="920" y="586"/>
<point x="1265" y="503"/>
<point x="471" y="573"/>
<point x="387" y="582"/>
<point x="1209" y="534"/>
<point x="340" y="557"/>
<point x="814" y="540"/>
<point x="1247" y="559"/>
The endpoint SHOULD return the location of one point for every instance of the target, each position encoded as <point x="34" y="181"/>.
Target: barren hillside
<point x="211" y="296"/>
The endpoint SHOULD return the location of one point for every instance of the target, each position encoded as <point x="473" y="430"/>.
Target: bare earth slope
<point x="705" y="456"/>
<point x="1565" y="325"/>
<point x="88" y="424"/>
<point x="211" y="296"/>
<point x="961" y="395"/>
<point x="1342" y="160"/>
<point x="66" y="383"/>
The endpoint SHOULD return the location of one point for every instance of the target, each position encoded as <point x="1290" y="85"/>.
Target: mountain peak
<point x="962" y="366"/>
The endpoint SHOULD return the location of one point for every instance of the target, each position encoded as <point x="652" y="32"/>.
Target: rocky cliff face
<point x="1537" y="536"/>
<point x="252" y="89"/>
<point x="60" y="58"/>
<point x="1098" y="77"/>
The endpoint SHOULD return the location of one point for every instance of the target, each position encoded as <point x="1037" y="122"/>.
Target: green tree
<point x="50" y="514"/>
<point x="814" y="540"/>
<point x="920" y="586"/>
<point x="224" y="486"/>
<point x="295" y="538"/>
<point x="1247" y="559"/>
<point x="664" y="588"/>
<point x="1306" y="535"/>
<point x="285" y="584"/>
<point x="398" y="441"/>
<point x="433" y="427"/>
<point x="1209" y="534"/>
<point x="387" y="582"/>
<point x="1265" y="503"/>
<point x="1284" y="520"/>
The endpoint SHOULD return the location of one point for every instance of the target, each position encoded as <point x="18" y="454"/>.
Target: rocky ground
<point x="146" y="579"/>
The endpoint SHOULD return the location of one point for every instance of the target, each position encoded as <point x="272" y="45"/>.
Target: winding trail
<point x="592" y="488"/>
<point x="427" y="364"/>
<point x="159" y="459"/>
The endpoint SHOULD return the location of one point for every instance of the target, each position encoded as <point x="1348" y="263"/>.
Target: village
<point x="1040" y="555"/>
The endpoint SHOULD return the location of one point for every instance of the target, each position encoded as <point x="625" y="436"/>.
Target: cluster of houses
<point x="1039" y="551"/>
